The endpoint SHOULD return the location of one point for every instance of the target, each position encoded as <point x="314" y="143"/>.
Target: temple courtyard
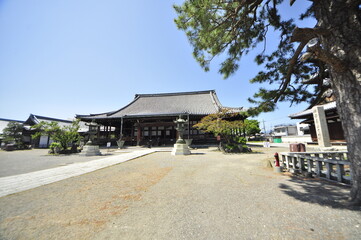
<point x="206" y="195"/>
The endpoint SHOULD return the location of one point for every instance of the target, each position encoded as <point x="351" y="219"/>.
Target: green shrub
<point x="54" y="148"/>
<point x="54" y="145"/>
<point x="240" y="140"/>
<point x="62" y="135"/>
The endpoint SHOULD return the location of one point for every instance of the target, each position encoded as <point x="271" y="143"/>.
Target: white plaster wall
<point x="299" y="126"/>
<point x="292" y="130"/>
<point x="3" y="125"/>
<point x="296" y="139"/>
<point x="43" y="142"/>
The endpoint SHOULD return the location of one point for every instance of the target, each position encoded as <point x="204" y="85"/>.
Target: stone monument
<point x="323" y="137"/>
<point x="90" y="149"/>
<point x="180" y="147"/>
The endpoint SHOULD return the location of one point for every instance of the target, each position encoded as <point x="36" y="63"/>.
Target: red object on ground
<point x="277" y="161"/>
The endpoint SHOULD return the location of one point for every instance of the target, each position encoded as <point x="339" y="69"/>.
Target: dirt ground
<point x="207" y="195"/>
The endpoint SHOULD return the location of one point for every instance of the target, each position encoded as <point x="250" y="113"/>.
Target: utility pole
<point x="264" y="128"/>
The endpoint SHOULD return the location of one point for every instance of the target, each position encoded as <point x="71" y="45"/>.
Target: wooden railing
<point x="329" y="165"/>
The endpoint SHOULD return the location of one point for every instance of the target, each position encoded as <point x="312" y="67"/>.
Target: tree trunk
<point x="342" y="18"/>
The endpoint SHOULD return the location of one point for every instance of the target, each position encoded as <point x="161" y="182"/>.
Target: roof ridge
<point x="305" y="112"/>
<point x="116" y="111"/>
<point x="174" y="93"/>
<point x="215" y="100"/>
<point x="49" y="118"/>
<point x="10" y="120"/>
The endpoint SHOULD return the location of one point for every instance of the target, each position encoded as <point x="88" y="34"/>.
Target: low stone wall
<point x="296" y="139"/>
<point x="332" y="165"/>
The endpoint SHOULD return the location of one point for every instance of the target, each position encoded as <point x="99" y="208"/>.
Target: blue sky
<point x="61" y="58"/>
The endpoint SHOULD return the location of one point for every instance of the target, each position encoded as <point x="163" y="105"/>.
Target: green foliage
<point x="12" y="133"/>
<point x="62" y="135"/>
<point x="231" y="147"/>
<point x="232" y="29"/>
<point x="225" y="124"/>
<point x="230" y="127"/>
<point x="240" y="140"/>
<point x="46" y="128"/>
<point x="55" y="145"/>
<point x="251" y="127"/>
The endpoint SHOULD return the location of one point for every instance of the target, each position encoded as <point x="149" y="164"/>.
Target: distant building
<point x="291" y="133"/>
<point x="43" y="141"/>
<point x="303" y="129"/>
<point x="284" y="130"/>
<point x="150" y="117"/>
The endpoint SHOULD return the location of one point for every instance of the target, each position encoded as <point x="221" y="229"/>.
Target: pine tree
<point x="235" y="27"/>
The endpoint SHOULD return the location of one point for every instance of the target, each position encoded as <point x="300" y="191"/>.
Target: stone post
<point x="323" y="137"/>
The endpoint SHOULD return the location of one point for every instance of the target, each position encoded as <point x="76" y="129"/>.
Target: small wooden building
<point x="43" y="141"/>
<point x="150" y="118"/>
<point x="333" y="122"/>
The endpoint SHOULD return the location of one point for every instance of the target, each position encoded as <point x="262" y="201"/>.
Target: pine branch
<point x="291" y="66"/>
<point x="306" y="34"/>
<point x="337" y="64"/>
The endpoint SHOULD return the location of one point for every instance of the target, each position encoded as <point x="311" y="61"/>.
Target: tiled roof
<point x="166" y="104"/>
<point x="35" y="119"/>
<point x="327" y="106"/>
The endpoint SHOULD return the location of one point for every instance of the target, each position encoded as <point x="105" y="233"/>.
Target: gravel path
<point x="207" y="195"/>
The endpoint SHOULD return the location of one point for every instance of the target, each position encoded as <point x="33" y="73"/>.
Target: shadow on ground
<point x="319" y="192"/>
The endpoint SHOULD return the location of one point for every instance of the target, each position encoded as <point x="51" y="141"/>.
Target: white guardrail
<point x="328" y="165"/>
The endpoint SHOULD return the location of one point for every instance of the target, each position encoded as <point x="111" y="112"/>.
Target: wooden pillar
<point x="139" y="134"/>
<point x="132" y="132"/>
<point x="121" y="128"/>
<point x="98" y="134"/>
<point x="189" y="126"/>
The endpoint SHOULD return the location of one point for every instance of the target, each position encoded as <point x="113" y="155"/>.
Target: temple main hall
<point x="150" y="118"/>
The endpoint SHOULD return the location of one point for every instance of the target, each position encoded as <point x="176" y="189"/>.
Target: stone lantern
<point x="93" y="128"/>
<point x="180" y="147"/>
<point x="180" y="128"/>
<point x="89" y="148"/>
